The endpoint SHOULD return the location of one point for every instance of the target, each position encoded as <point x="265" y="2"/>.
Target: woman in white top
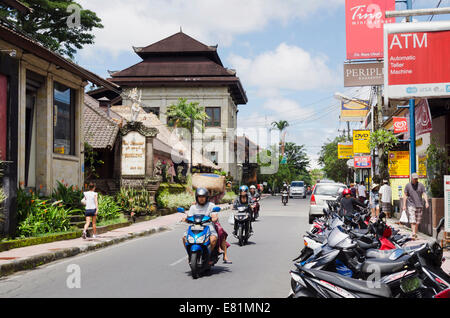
<point x="91" y="198"/>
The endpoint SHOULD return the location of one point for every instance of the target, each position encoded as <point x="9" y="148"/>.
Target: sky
<point x="288" y="54"/>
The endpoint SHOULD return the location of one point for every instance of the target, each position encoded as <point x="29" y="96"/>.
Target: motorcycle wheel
<point x="240" y="235"/>
<point x="194" y="265"/>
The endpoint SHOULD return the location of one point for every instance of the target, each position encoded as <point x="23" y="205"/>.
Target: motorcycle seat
<point x="350" y="284"/>
<point x="385" y="266"/>
<point x="319" y="238"/>
<point x="374" y="253"/>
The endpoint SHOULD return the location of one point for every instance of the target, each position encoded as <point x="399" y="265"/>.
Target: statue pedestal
<point x="137" y="157"/>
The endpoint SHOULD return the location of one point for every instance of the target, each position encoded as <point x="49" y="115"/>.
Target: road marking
<point x="179" y="261"/>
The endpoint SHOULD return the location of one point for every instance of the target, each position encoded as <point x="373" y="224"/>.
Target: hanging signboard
<point x="400" y="124"/>
<point x="422" y="166"/>
<point x="364" y="27"/>
<point x="345" y="150"/>
<point x="363" y="161"/>
<point x="423" y="118"/>
<point x="416" y="60"/>
<point x="361" y="141"/>
<point x="447" y="202"/>
<point x="398" y="164"/>
<point x="363" y="74"/>
<point x="354" y="110"/>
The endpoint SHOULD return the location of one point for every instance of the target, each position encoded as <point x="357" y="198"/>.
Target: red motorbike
<point x="254" y="206"/>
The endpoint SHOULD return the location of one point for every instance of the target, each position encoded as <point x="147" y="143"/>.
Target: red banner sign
<point x="423" y="118"/>
<point x="417" y="60"/>
<point x="400" y="125"/>
<point x="363" y="161"/>
<point x="364" y="27"/>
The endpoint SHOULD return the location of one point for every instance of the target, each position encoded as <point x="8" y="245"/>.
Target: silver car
<point x="323" y="192"/>
<point x="297" y="189"/>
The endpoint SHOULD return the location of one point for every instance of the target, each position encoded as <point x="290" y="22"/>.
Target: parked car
<point x="321" y="193"/>
<point x="297" y="189"/>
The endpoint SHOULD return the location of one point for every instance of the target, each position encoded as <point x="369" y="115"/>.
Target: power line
<point x="438" y="5"/>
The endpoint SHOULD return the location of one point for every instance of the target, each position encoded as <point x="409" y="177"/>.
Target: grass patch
<point x="120" y="219"/>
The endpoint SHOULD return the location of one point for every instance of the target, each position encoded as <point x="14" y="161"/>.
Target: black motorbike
<point x="242" y="222"/>
<point x="284" y="197"/>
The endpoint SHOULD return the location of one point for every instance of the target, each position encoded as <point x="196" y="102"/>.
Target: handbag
<point x="404" y="217"/>
<point x="83" y="201"/>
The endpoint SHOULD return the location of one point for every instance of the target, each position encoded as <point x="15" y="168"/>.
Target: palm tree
<point x="281" y="126"/>
<point x="184" y="114"/>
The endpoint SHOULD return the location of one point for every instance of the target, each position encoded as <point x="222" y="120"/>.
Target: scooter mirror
<point x="366" y="202"/>
<point x="180" y="210"/>
<point x="216" y="209"/>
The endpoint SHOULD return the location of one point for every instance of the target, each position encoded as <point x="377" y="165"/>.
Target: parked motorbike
<point x="198" y="243"/>
<point x="242" y="221"/>
<point x="284" y="197"/>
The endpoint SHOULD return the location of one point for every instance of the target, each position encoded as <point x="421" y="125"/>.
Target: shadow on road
<point x="216" y="270"/>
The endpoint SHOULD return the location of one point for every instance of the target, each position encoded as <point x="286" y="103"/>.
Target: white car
<point x="297" y="189"/>
<point x="323" y="192"/>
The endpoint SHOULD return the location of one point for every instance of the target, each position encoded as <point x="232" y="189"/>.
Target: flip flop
<point x="227" y="262"/>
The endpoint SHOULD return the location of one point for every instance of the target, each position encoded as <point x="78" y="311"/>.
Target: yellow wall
<point x="394" y="183"/>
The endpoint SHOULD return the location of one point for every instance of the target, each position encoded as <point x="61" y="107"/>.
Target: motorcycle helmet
<point x="346" y="191"/>
<point x="243" y="188"/>
<point x="252" y="187"/>
<point x="201" y="192"/>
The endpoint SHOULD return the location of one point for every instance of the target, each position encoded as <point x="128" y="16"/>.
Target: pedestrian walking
<point x="386" y="198"/>
<point x="374" y="200"/>
<point x="362" y="192"/>
<point x="353" y="190"/>
<point x="91" y="201"/>
<point x="412" y="202"/>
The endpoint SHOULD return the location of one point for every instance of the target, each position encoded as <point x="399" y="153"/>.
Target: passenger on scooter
<point x="242" y="200"/>
<point x="203" y="207"/>
<point x="348" y="203"/>
<point x="253" y="193"/>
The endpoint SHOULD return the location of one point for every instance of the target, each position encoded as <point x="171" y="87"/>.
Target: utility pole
<point x="412" y="111"/>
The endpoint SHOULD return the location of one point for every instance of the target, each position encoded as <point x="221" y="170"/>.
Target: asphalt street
<point x="156" y="266"/>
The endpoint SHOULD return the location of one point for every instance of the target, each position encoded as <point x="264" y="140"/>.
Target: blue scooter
<point x="198" y="244"/>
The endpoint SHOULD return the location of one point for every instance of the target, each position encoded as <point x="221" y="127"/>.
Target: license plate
<point x="197" y="227"/>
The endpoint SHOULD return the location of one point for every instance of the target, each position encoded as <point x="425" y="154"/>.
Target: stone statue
<point x="135" y="103"/>
<point x="157" y="171"/>
<point x="180" y="177"/>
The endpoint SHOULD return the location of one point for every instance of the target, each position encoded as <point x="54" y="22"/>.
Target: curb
<point x="48" y="257"/>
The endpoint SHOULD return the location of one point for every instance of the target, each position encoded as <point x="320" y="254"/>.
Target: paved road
<point x="156" y="266"/>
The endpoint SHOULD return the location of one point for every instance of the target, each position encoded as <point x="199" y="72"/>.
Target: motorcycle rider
<point x="203" y="207"/>
<point x="348" y="202"/>
<point x="254" y="196"/>
<point x="242" y="200"/>
<point x="285" y="188"/>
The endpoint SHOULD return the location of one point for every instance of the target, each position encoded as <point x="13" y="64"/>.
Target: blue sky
<point x="289" y="54"/>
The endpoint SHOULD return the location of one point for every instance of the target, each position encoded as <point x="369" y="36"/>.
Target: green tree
<point x="334" y="168"/>
<point x="384" y="141"/>
<point x="281" y="126"/>
<point x="182" y="114"/>
<point x="316" y="174"/>
<point x="48" y="24"/>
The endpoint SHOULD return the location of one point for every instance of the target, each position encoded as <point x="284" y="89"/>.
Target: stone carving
<point x="135" y="103"/>
<point x="140" y="128"/>
<point x="157" y="171"/>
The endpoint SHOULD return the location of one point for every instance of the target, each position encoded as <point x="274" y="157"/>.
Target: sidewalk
<point x="422" y="239"/>
<point x="29" y="257"/>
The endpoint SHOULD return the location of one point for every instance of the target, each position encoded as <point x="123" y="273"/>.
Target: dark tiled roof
<point x="100" y="131"/>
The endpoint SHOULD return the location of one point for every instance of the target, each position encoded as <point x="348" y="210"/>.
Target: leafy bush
<point x="229" y="197"/>
<point x="45" y="218"/>
<point x="71" y="196"/>
<point x="137" y="201"/>
<point x="172" y="201"/>
<point x="2" y="196"/>
<point x="108" y="209"/>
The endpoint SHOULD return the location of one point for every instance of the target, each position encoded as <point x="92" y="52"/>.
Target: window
<point x="328" y="189"/>
<point x="214" y="116"/>
<point x="297" y="184"/>
<point x="154" y="110"/>
<point x="63" y="119"/>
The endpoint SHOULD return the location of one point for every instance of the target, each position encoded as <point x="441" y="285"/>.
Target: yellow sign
<point x="345" y="151"/>
<point x="398" y="164"/>
<point x="354" y="111"/>
<point x="361" y="141"/>
<point x="422" y="167"/>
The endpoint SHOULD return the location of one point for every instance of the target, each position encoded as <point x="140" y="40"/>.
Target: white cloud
<point x="288" y="67"/>
<point x="140" y="23"/>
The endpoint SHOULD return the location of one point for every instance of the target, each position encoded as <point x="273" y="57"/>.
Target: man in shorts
<point x="412" y="202"/>
<point x="386" y="198"/>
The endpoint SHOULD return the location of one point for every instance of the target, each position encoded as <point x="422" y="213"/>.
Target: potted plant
<point x="437" y="167"/>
